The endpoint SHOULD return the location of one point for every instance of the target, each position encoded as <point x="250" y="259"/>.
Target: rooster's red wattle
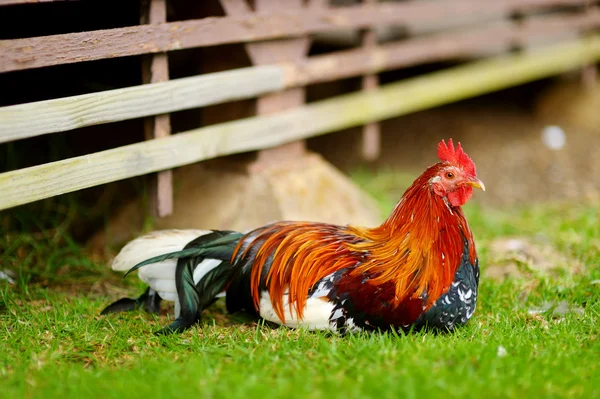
<point x="418" y="268"/>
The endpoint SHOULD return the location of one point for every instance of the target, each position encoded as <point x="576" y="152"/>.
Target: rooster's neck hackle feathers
<point x="419" y="245"/>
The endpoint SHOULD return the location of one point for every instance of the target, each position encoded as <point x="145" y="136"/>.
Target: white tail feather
<point x="153" y="244"/>
<point x="161" y="276"/>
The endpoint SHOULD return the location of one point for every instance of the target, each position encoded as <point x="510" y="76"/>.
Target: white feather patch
<point x="171" y="297"/>
<point x="204" y="267"/>
<point x="166" y="287"/>
<point x="161" y="276"/>
<point x="162" y="285"/>
<point x="163" y="270"/>
<point x="153" y="244"/>
<point x="316" y="313"/>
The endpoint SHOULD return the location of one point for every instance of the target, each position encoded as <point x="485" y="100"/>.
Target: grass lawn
<point x="54" y="343"/>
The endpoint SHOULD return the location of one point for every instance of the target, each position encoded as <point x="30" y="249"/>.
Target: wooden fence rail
<point x="33" y="119"/>
<point x="44" y="117"/>
<point x="14" y="2"/>
<point x="31" y="184"/>
<point x="36" y="52"/>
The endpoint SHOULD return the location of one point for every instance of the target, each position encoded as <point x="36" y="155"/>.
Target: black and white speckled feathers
<point x="453" y="309"/>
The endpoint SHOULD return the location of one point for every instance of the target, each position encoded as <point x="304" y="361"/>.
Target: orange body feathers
<point x="416" y="251"/>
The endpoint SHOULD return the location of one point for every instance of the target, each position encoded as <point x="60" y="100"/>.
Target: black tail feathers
<point x="149" y="301"/>
<point x="193" y="297"/>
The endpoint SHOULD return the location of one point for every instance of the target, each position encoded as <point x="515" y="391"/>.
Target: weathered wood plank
<point x="31" y="184"/>
<point x="36" y="52"/>
<point x="13" y="2"/>
<point x="33" y="119"/>
<point x="276" y="51"/>
<point x="236" y="7"/>
<point x="589" y="73"/>
<point x="155" y="68"/>
<point x="371" y="134"/>
<point x="435" y="47"/>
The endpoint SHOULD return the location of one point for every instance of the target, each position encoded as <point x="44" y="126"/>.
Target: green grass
<point x="54" y="343"/>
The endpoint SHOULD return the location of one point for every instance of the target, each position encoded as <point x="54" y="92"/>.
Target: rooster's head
<point x="455" y="175"/>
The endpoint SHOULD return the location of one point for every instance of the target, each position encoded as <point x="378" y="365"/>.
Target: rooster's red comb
<point x="457" y="156"/>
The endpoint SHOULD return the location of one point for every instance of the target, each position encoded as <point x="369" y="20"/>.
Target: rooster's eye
<point x="450" y="175"/>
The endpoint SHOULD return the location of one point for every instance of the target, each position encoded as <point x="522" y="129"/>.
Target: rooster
<point x="418" y="268"/>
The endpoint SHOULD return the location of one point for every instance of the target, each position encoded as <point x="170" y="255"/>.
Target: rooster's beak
<point x="475" y="182"/>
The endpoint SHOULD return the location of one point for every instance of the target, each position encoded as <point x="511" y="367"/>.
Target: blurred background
<point x="536" y="142"/>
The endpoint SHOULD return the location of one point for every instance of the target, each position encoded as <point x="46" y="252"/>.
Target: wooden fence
<point x="554" y="36"/>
